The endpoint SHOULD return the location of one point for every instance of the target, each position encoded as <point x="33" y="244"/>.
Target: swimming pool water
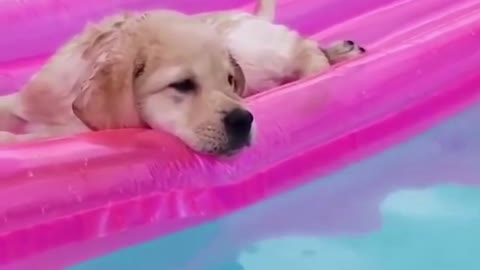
<point x="415" y="206"/>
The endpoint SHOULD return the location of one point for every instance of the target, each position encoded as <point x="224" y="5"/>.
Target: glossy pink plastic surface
<point x="66" y="200"/>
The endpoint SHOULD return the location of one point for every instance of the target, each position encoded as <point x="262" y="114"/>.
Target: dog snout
<point x="238" y="124"/>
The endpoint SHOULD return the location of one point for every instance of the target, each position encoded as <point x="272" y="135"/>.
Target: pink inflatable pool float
<point x="65" y="201"/>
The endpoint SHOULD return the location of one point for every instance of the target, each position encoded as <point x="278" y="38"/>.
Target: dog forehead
<point x="186" y="38"/>
<point x="194" y="36"/>
<point x="177" y="26"/>
<point x="184" y="41"/>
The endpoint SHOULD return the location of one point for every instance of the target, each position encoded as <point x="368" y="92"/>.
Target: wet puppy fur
<point x="272" y="54"/>
<point x="132" y="71"/>
<point x="143" y="70"/>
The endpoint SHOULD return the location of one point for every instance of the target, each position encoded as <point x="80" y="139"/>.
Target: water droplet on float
<point x="473" y="33"/>
<point x="30" y="174"/>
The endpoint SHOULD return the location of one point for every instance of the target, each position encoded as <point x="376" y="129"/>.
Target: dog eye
<point x="139" y="69"/>
<point x="231" y="80"/>
<point x="184" y="86"/>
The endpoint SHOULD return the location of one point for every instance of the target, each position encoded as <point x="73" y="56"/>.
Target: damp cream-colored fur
<point x="127" y="71"/>
<point x="121" y="73"/>
<point x="272" y="54"/>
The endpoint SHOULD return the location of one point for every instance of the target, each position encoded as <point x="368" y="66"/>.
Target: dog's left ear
<point x="240" y="81"/>
<point x="107" y="99"/>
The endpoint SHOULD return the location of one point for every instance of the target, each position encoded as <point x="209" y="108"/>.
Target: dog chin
<point x="237" y="148"/>
<point x="230" y="153"/>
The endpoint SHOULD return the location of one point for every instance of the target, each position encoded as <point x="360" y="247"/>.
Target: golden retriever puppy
<point x="271" y="54"/>
<point x="136" y="70"/>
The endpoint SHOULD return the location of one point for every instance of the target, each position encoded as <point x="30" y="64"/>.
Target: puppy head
<point x="167" y="72"/>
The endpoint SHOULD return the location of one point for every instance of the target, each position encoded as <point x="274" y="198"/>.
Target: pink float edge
<point x="96" y="185"/>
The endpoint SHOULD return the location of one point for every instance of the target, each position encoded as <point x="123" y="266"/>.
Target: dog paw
<point x="343" y="50"/>
<point x="352" y="46"/>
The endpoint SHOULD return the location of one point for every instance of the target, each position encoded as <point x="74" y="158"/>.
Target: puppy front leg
<point x="312" y="59"/>
<point x="309" y="59"/>
<point x="11" y="138"/>
<point x="7" y="137"/>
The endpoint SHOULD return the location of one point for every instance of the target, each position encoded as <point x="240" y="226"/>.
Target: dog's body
<point x="152" y="70"/>
<point x="271" y="54"/>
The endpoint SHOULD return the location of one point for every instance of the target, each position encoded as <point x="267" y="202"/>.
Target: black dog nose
<point x="238" y="123"/>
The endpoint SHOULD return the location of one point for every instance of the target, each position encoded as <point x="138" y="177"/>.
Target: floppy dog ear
<point x="106" y="99"/>
<point x="239" y="81"/>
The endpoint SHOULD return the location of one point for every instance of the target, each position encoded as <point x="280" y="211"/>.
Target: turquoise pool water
<point x="415" y="206"/>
